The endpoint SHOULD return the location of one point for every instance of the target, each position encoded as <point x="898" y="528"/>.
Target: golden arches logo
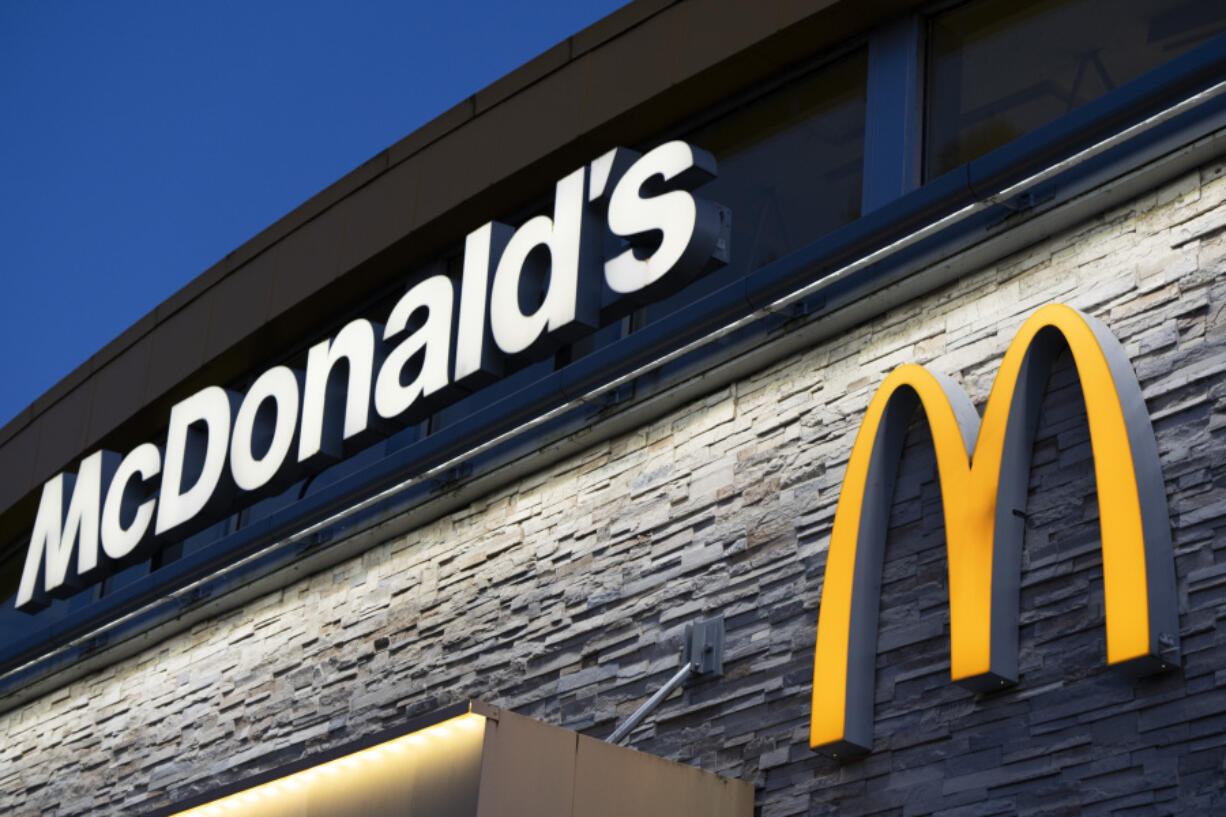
<point x="983" y="469"/>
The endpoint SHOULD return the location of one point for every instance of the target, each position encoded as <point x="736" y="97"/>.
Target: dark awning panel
<point x="480" y="761"/>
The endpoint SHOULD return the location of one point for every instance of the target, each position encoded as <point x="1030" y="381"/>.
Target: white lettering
<point x="568" y="299"/>
<point x="55" y="532"/>
<point x="475" y="360"/>
<point x="274" y="436"/>
<point x="433" y="340"/>
<point x="322" y="396"/>
<point x="690" y="228"/>
<point x="119" y="542"/>
<point x="545" y="290"/>
<point x="194" y="451"/>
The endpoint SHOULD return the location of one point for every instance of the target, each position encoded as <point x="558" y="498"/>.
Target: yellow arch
<point x="970" y="486"/>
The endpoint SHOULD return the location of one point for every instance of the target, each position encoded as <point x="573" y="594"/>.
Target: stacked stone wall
<point x="564" y="596"/>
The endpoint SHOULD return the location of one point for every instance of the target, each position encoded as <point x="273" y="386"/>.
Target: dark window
<point x="998" y="69"/>
<point x="791" y="169"/>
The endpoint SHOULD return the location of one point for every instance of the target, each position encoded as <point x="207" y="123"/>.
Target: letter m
<point x="55" y="532"/>
<point x="983" y="471"/>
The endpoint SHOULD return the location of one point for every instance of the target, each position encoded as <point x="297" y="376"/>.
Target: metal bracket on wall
<point x="452" y="475"/>
<point x="704" y="646"/>
<point x="702" y="655"/>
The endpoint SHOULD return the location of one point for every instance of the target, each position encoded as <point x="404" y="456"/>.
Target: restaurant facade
<point x="840" y="384"/>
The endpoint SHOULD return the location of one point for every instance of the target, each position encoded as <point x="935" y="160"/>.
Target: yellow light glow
<point x="300" y="784"/>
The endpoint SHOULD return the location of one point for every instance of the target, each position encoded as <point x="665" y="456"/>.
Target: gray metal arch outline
<point x="1023" y="418"/>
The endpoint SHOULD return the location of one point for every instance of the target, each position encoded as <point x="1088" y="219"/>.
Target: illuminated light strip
<point x="300" y="783"/>
<point x="774" y="307"/>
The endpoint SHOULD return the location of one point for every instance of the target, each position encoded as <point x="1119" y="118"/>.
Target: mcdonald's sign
<point x="983" y="469"/>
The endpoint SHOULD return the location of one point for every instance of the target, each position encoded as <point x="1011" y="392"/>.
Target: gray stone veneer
<point x="563" y="596"/>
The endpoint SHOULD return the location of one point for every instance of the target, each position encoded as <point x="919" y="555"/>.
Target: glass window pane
<point x="998" y="69"/>
<point x="791" y="167"/>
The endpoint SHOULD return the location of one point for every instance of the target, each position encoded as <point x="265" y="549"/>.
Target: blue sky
<point x="142" y="141"/>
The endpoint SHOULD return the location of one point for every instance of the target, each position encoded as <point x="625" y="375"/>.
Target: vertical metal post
<point x="893" y="117"/>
